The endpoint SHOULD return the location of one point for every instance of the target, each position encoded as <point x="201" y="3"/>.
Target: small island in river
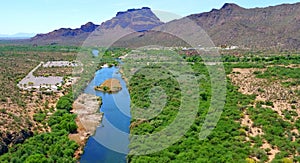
<point x="110" y="86"/>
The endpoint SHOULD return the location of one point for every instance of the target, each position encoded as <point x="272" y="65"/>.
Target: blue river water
<point x="110" y="142"/>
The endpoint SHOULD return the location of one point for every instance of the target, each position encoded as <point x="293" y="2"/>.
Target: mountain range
<point x="232" y="25"/>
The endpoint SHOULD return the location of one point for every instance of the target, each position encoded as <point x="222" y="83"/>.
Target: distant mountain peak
<point x="132" y="10"/>
<point x="67" y="32"/>
<point x="89" y="27"/>
<point x="137" y="19"/>
<point x="230" y="6"/>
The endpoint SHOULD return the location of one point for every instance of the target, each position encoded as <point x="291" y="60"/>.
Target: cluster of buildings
<point x="50" y="83"/>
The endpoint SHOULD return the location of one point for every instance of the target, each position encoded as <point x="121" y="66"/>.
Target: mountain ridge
<point x="274" y="26"/>
<point x="136" y="19"/>
<point x="269" y="27"/>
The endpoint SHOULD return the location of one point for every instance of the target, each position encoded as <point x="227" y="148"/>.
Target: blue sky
<point x="41" y="16"/>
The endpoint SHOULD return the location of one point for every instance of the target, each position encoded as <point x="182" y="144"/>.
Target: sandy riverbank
<point x="86" y="107"/>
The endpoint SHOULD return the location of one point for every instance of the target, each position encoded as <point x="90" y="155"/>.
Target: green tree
<point x="64" y="103"/>
<point x="105" y="88"/>
<point x="36" y="158"/>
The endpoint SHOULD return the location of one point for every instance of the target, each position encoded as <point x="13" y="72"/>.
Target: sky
<point x="42" y="16"/>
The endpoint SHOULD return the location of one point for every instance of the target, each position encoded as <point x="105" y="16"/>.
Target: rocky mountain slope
<point x="134" y="19"/>
<point x="65" y="35"/>
<point x="266" y="28"/>
<point x="275" y="26"/>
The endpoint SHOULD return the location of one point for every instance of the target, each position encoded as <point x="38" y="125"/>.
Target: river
<point x="102" y="146"/>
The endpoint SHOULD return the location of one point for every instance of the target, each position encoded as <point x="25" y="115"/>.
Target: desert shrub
<point x="39" y="117"/>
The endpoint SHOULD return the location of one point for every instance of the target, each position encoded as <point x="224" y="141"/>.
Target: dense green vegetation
<point x="224" y="144"/>
<point x="227" y="142"/>
<point x="53" y="146"/>
<point x="65" y="102"/>
<point x="262" y="58"/>
<point x="275" y="131"/>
